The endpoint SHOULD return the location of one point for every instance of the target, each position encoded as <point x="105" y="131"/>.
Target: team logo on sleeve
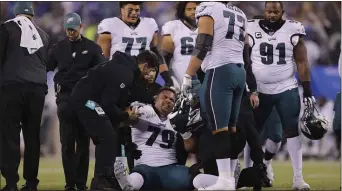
<point x="200" y="9"/>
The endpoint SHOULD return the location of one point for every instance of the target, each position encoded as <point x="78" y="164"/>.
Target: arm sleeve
<point x="104" y="27"/>
<point x="4" y="36"/>
<point x="51" y="60"/>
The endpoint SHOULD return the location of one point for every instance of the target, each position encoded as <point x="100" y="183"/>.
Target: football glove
<point x="132" y="148"/>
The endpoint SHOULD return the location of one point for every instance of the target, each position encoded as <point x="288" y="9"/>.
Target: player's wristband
<point x="186" y="135"/>
<point x="167" y="78"/>
<point x="306" y="88"/>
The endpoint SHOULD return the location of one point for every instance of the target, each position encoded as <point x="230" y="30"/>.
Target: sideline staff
<point x="101" y="99"/>
<point x="23" y="52"/>
<point x="73" y="57"/>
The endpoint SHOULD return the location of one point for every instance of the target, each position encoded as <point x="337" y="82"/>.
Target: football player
<point x="178" y="41"/>
<point x="277" y="48"/>
<point x="131" y="34"/>
<point x="271" y="136"/>
<point x="219" y="45"/>
<point x="156" y="138"/>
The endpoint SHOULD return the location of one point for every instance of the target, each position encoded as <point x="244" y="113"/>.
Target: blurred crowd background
<point x="322" y="21"/>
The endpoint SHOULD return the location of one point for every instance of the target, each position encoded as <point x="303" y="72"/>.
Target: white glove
<point x="309" y="101"/>
<point x="187" y="84"/>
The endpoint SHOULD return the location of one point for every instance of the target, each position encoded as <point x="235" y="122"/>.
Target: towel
<point x="30" y="37"/>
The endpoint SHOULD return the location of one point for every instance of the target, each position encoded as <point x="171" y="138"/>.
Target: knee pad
<point x="290" y="133"/>
<point x="222" y="147"/>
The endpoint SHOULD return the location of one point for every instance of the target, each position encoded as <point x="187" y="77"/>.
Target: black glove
<point x="180" y="118"/>
<point x="132" y="148"/>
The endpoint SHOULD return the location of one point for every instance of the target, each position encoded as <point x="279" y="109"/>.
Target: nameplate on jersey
<point x="258" y="35"/>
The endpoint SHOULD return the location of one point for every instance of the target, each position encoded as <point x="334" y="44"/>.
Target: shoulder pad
<point x="168" y="28"/>
<point x="205" y="9"/>
<point x="297" y="27"/>
<point x="105" y="25"/>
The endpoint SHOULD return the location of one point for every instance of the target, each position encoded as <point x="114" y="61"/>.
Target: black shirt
<point x="73" y="60"/>
<point x="110" y="84"/>
<point x="16" y="64"/>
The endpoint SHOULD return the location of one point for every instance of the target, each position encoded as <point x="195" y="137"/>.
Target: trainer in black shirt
<point x="101" y="99"/>
<point x="73" y="57"/>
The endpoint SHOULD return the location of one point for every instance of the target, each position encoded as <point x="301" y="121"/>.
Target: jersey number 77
<point x="231" y="24"/>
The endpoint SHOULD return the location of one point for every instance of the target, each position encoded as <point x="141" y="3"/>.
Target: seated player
<point x="157" y="168"/>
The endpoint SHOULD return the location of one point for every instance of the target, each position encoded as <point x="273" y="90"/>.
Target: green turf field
<point x="319" y="174"/>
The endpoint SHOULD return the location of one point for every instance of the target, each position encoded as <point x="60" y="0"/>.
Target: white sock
<point x="295" y="150"/>
<point x="137" y="180"/>
<point x="247" y="157"/>
<point x="233" y="166"/>
<point x="223" y="166"/>
<point x="272" y="146"/>
<point x="204" y="180"/>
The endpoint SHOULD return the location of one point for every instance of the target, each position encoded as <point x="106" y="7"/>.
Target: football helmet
<point x="313" y="124"/>
<point x="186" y="111"/>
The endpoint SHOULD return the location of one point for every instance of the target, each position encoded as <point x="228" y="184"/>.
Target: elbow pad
<point x="203" y="45"/>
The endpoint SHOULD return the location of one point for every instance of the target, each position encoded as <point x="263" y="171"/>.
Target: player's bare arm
<point x="167" y="48"/>
<point x="104" y="40"/>
<point x="300" y="55"/>
<point x="203" y="44"/>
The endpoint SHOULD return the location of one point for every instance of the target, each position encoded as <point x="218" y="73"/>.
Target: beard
<point x="192" y="22"/>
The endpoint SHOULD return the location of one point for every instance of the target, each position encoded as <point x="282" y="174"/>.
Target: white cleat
<point x="122" y="176"/>
<point x="222" y="184"/>
<point x="269" y="170"/>
<point x="300" y="184"/>
<point x="237" y="171"/>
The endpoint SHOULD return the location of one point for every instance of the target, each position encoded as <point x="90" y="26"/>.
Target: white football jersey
<point x="273" y="62"/>
<point x="184" y="42"/>
<point x="229" y="34"/>
<point x="127" y="39"/>
<point x="155" y="138"/>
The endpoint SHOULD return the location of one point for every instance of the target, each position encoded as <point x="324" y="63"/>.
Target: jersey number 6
<point x="231" y="25"/>
<point x="186" y="49"/>
<point x="168" y="137"/>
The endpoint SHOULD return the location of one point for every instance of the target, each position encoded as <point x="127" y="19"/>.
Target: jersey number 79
<point x="168" y="137"/>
